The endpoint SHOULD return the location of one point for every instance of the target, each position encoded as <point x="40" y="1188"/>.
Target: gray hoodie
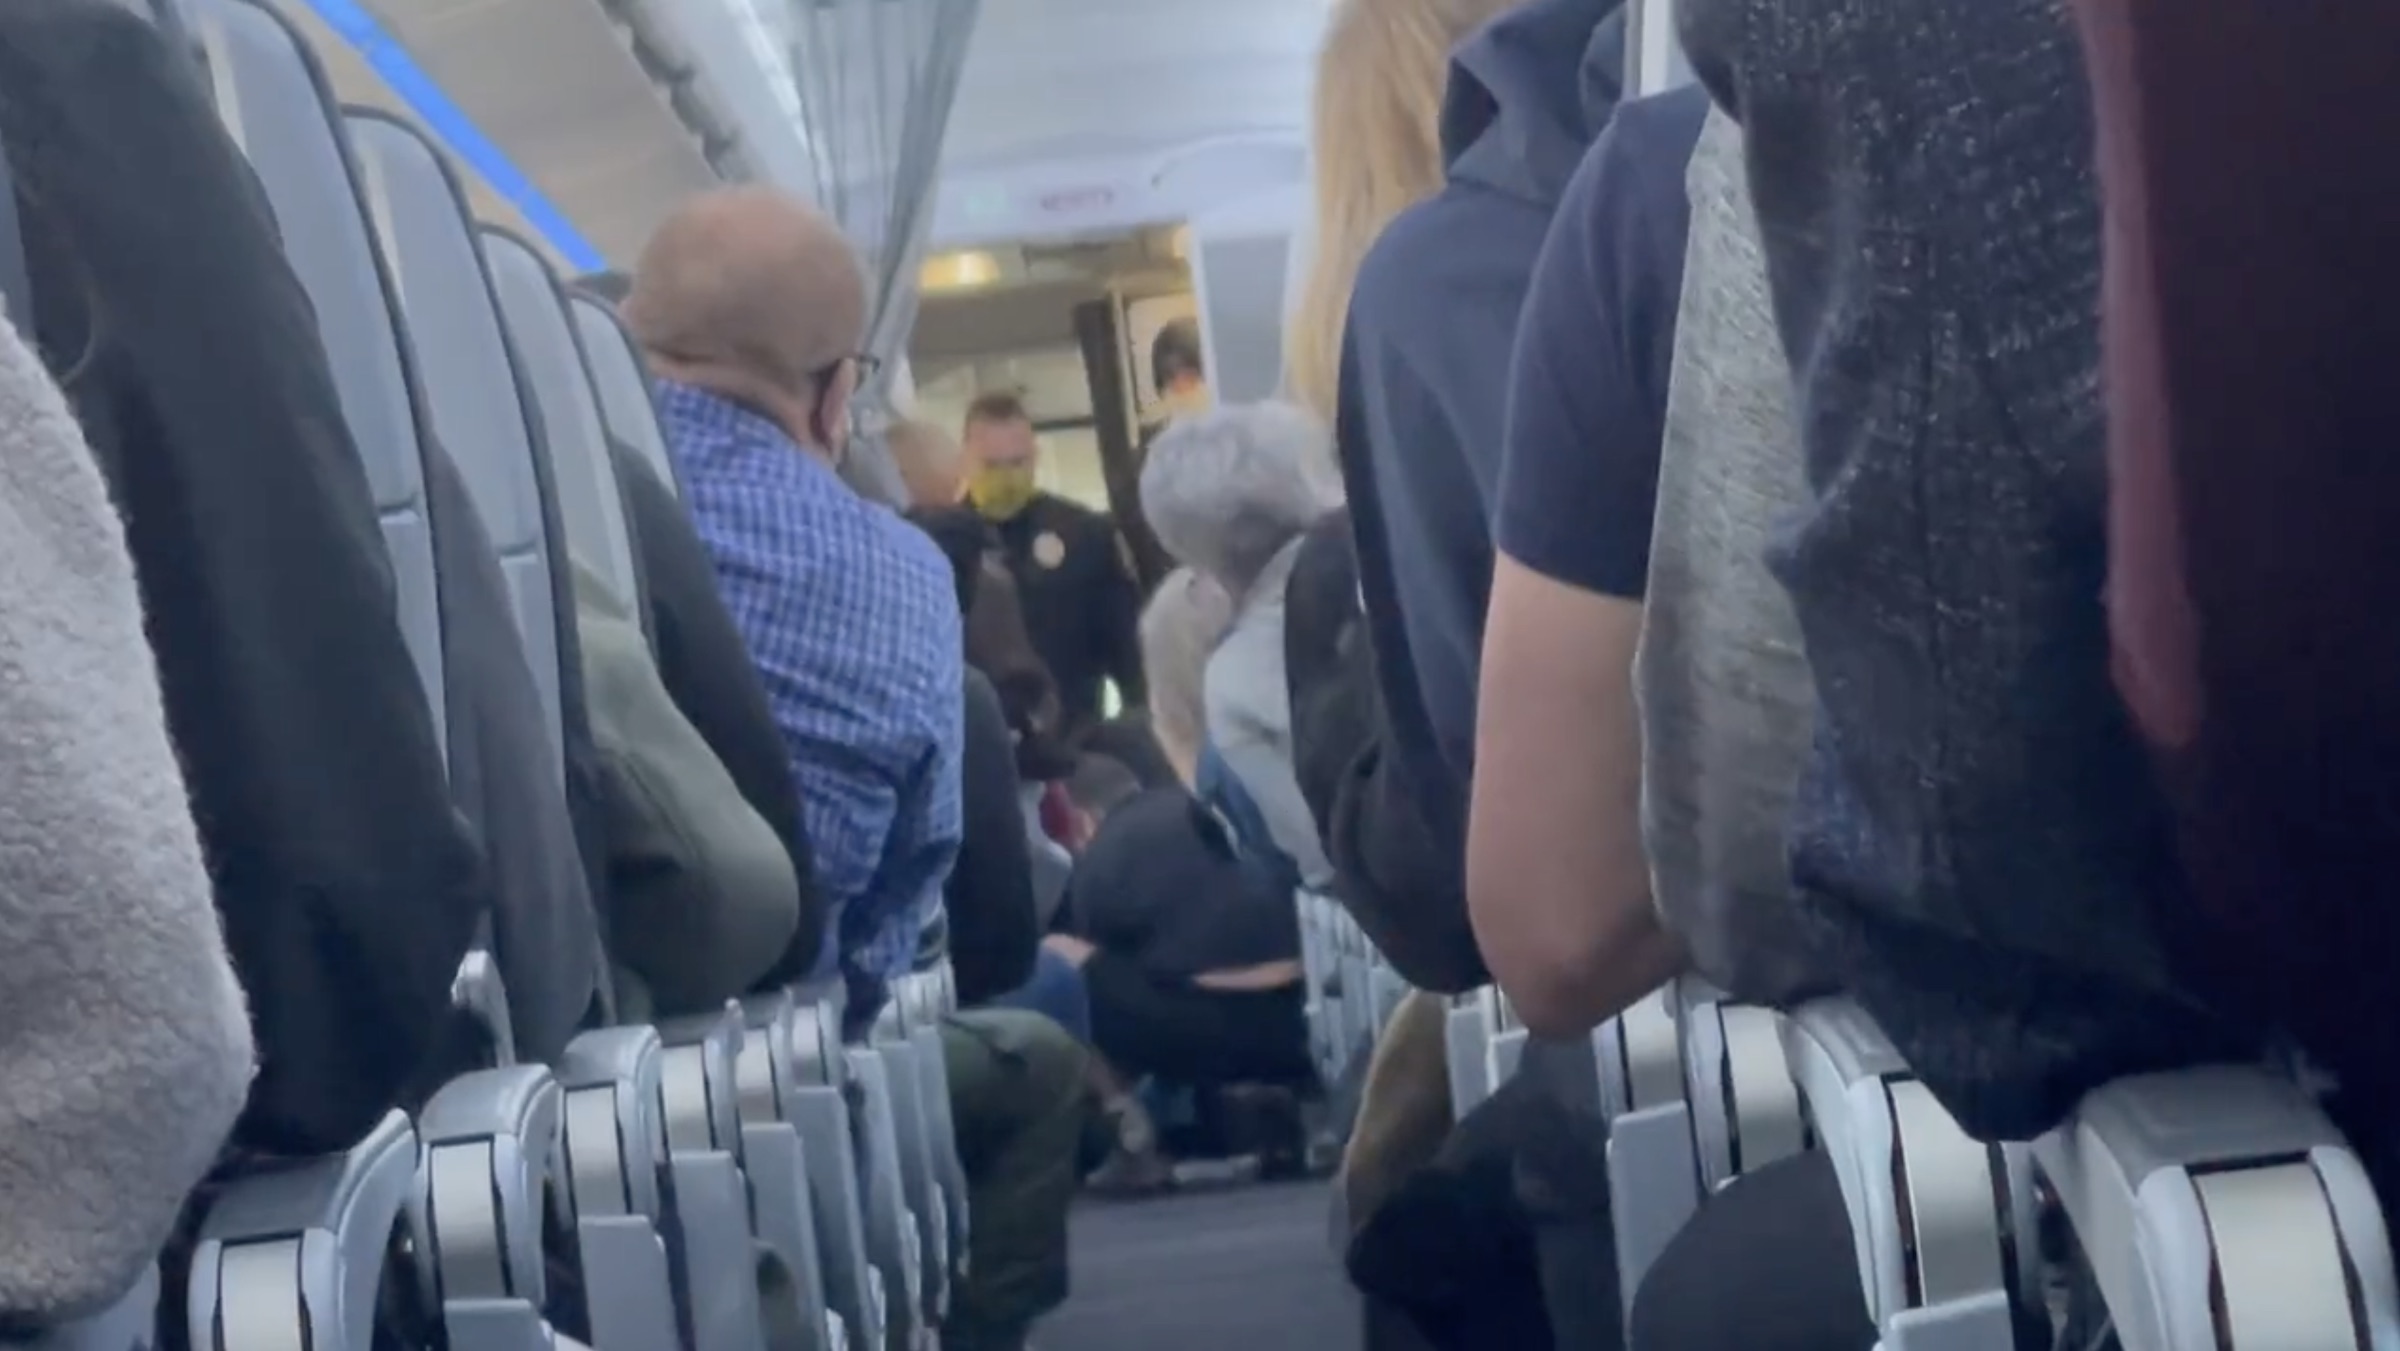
<point x="124" y="1044"/>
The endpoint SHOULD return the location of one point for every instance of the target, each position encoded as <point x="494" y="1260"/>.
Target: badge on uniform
<point x="1048" y="549"/>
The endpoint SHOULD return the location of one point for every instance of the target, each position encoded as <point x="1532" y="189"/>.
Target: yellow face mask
<point x="1000" y="491"/>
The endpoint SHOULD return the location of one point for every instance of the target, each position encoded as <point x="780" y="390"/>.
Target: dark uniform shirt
<point x="1081" y="604"/>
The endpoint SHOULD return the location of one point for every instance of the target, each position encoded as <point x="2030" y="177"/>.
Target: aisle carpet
<point x="1247" y="1269"/>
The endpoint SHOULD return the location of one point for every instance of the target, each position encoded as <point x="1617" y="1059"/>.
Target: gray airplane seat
<point x="707" y="1196"/>
<point x="623" y="385"/>
<point x="496" y="1174"/>
<point x="1945" y="1226"/>
<point x="1653" y="1166"/>
<point x="894" y="1234"/>
<point x="820" y="1099"/>
<point x="299" y="1255"/>
<point x="1746" y="1111"/>
<point x="796" y="1133"/>
<point x="908" y="1037"/>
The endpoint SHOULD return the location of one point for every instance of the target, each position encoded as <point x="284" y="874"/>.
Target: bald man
<point x="931" y="464"/>
<point x="751" y="308"/>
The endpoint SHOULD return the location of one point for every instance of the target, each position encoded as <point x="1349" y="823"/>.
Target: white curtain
<point x="877" y="80"/>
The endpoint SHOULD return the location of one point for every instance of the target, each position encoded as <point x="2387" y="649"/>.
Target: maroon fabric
<point x="2253" y="366"/>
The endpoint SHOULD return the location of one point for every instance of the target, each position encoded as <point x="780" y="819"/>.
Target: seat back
<point x="535" y="313"/>
<point x="543" y="923"/>
<point x="479" y="408"/>
<point x="623" y="384"/>
<point x="274" y="102"/>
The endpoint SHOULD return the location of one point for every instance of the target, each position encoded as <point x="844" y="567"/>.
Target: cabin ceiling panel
<point x="555" y="89"/>
<point x="1052" y="80"/>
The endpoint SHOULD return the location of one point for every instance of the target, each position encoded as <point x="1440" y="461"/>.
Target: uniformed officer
<point x="1081" y="602"/>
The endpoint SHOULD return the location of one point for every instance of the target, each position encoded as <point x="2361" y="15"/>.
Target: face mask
<point x="1000" y="491"/>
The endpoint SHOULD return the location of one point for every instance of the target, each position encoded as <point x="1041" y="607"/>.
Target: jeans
<point x="1056" y="988"/>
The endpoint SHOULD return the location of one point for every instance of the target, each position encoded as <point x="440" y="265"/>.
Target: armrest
<point x="2219" y="1207"/>
<point x="763" y="1070"/>
<point x="616" y="1134"/>
<point x="1745" y="1107"/>
<point x="1653" y="1180"/>
<point x="492" y="1142"/>
<point x="703" y="1102"/>
<point x="478" y="990"/>
<point x="1641" y="1058"/>
<point x="1467" y="1032"/>
<point x="1936" y="1217"/>
<point x="294" y="1257"/>
<point x="818" y="1042"/>
<point x="891" y="1231"/>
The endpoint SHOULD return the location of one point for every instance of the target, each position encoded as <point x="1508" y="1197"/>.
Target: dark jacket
<point x="1397" y="842"/>
<point x="1081" y="604"/>
<point x="1163" y="884"/>
<point x="1383" y="712"/>
<point x="708" y="673"/>
<point x="1424" y="373"/>
<point x="998" y="642"/>
<point x="348" y="885"/>
<point x="994" y="926"/>
<point x="1976" y="833"/>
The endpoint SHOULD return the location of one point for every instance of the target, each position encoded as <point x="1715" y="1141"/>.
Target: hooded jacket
<point x="1419" y="425"/>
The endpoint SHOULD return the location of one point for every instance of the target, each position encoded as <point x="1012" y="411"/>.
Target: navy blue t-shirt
<point x="1588" y="387"/>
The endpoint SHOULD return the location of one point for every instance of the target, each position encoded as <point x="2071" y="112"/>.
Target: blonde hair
<point x="1375" y="137"/>
<point x="928" y="458"/>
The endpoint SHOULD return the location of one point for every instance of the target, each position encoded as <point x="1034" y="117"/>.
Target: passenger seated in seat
<point x="1189" y="950"/>
<point x="751" y="309"/>
<point x="703" y="895"/>
<point x="1230" y="493"/>
<point x="1650" y="452"/>
<point x="124" y="1044"/>
<point x="1419" y="424"/>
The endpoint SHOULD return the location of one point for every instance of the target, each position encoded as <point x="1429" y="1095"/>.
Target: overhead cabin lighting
<point x="961" y="271"/>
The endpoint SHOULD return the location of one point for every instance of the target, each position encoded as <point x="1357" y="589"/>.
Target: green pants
<point x="1018" y="1101"/>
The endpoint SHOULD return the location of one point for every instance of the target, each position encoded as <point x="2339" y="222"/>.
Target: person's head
<point x="1375" y="140"/>
<point x="1002" y="457"/>
<point x="1180" y="627"/>
<point x="1178" y="369"/>
<point x="756" y="297"/>
<point x="1098" y="786"/>
<point x="1226" y="490"/>
<point x="929" y="462"/>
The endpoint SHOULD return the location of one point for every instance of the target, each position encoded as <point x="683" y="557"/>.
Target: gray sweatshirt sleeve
<point x="124" y="1041"/>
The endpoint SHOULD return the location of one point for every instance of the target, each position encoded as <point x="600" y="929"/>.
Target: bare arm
<point x="1558" y="888"/>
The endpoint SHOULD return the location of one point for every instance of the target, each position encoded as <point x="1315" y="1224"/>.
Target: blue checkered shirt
<point x="852" y="618"/>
